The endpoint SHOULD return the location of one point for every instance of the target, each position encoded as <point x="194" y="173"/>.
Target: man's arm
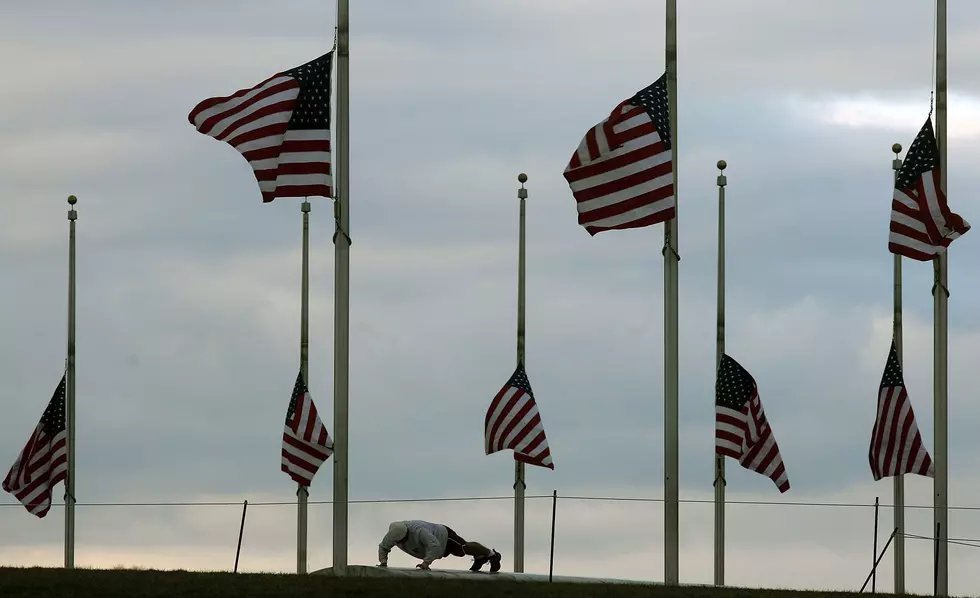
<point x="387" y="543"/>
<point x="432" y="551"/>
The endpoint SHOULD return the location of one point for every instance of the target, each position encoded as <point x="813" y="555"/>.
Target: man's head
<point x="398" y="530"/>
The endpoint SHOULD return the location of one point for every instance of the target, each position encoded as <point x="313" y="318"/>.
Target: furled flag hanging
<point x="622" y="174"/>
<point x="741" y="429"/>
<point x="305" y="442"/>
<point x="513" y="422"/>
<point x="896" y="446"/>
<point x="44" y="460"/>
<point x="281" y="126"/>
<point x="922" y="225"/>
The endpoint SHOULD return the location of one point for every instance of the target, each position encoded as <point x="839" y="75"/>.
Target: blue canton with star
<point x="312" y="110"/>
<point x="299" y="389"/>
<point x="519" y="380"/>
<point x="922" y="157"/>
<point x="893" y="370"/>
<point x="735" y="386"/>
<point x="53" y="419"/>
<point x="654" y="100"/>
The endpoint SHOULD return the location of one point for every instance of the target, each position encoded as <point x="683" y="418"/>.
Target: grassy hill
<point x="125" y="583"/>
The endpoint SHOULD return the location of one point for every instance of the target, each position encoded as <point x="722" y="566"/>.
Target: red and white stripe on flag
<point x="746" y="435"/>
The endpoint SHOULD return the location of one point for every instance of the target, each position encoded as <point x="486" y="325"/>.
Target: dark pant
<point x="454" y="543"/>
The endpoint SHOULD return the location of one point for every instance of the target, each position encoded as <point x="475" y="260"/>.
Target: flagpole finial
<point x="522" y="178"/>
<point x="72" y="200"/>
<point x="72" y="214"/>
<point x="896" y="148"/>
<point x="722" y="165"/>
<point x="522" y="192"/>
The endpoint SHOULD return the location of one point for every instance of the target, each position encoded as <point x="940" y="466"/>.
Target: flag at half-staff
<point x="896" y="445"/>
<point x="742" y="431"/>
<point x="43" y="462"/>
<point x="922" y="226"/>
<point x="622" y="173"/>
<point x="281" y="127"/>
<point x="513" y="422"/>
<point x="305" y="441"/>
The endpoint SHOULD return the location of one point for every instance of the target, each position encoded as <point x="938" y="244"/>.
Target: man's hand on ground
<point x="423" y="566"/>
<point x="382" y="564"/>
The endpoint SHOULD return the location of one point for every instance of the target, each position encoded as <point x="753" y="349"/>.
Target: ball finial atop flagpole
<point x="896" y="148"/>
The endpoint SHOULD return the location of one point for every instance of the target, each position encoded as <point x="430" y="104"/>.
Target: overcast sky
<point x="189" y="287"/>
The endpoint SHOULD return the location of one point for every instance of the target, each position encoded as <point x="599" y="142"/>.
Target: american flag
<point x="741" y="429"/>
<point x="922" y="225"/>
<point x="896" y="446"/>
<point x="513" y="422"/>
<point x="44" y="461"/>
<point x="281" y="126"/>
<point x="622" y="174"/>
<point x="305" y="442"/>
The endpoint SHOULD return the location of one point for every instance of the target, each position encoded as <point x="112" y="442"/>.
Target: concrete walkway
<point x="397" y="572"/>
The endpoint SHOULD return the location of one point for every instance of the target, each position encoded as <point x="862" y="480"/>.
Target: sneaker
<point x="479" y="561"/>
<point x="495" y="562"/>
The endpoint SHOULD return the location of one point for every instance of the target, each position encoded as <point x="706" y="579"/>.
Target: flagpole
<point x="719" y="483"/>
<point x="899" y="480"/>
<point x="302" y="493"/>
<point x="341" y="332"/>
<point x="671" y="485"/>
<point x="520" y="484"/>
<point x="940" y="323"/>
<point x="70" y="392"/>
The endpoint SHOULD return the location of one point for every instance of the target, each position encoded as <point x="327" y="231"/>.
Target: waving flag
<point x="622" y="174"/>
<point x="281" y="126"/>
<point x="513" y="422"/>
<point x="44" y="460"/>
<point x="922" y="225"/>
<point x="741" y="429"/>
<point x="896" y="446"/>
<point x="305" y="441"/>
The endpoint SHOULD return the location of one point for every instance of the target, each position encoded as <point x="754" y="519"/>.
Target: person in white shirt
<point x="431" y="541"/>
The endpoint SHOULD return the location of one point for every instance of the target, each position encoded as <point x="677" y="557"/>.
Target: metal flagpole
<point x="519" y="482"/>
<point x="671" y="486"/>
<point x="940" y="295"/>
<point x="70" y="392"/>
<point x="341" y="330"/>
<point x="302" y="494"/>
<point x="719" y="351"/>
<point x="899" y="481"/>
<point x="874" y="553"/>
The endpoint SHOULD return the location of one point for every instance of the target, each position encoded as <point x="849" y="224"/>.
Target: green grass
<point x="128" y="583"/>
